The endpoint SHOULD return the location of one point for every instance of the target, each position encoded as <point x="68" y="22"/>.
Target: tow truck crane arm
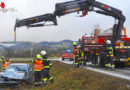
<point x="77" y="6"/>
<point x="88" y="6"/>
<point x="31" y="22"/>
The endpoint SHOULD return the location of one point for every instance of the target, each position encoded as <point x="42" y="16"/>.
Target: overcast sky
<point x="69" y="26"/>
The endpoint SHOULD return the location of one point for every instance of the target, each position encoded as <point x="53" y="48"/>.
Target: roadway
<point x="123" y="73"/>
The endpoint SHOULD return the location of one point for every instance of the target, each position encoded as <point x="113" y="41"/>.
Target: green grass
<point x="69" y="78"/>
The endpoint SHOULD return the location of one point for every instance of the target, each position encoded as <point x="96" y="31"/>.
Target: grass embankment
<point x="69" y="78"/>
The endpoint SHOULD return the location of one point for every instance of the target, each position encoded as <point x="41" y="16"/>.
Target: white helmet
<point x="108" y="42"/>
<point x="43" y="52"/>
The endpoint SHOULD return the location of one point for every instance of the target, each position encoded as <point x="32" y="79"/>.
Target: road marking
<point x="112" y="73"/>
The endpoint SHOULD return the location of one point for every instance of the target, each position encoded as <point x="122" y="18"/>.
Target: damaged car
<point x="15" y="74"/>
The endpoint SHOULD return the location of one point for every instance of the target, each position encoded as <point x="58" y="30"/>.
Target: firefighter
<point x="94" y="59"/>
<point x="76" y="54"/>
<point x="6" y="63"/>
<point x="46" y="68"/>
<point x="3" y="59"/>
<point x="37" y="66"/>
<point x="109" y="51"/>
<point x="94" y="55"/>
<point x="81" y="56"/>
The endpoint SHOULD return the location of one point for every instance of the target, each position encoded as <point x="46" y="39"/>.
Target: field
<point x="69" y="78"/>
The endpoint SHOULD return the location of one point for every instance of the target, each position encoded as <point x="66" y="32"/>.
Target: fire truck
<point x="96" y="43"/>
<point x="67" y="54"/>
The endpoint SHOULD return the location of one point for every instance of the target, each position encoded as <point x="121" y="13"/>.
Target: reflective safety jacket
<point x="3" y="59"/>
<point x="38" y="65"/>
<point x="75" y="51"/>
<point x="109" y="50"/>
<point x="47" y="63"/>
<point x="81" y="53"/>
<point x="6" y="63"/>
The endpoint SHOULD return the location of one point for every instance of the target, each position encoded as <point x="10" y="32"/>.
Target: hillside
<point x="30" y="49"/>
<point x="45" y="44"/>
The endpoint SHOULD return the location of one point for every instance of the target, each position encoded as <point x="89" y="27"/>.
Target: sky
<point x="69" y="26"/>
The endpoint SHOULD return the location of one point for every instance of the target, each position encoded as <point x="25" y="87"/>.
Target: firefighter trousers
<point x="37" y="76"/>
<point x="46" y="75"/>
<point x="76" y="62"/>
<point x="80" y="62"/>
<point x="109" y="61"/>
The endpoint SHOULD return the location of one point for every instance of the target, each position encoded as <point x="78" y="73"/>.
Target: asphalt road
<point x="123" y="73"/>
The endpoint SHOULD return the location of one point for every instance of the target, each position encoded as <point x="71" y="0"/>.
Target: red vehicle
<point x="97" y="44"/>
<point x="67" y="55"/>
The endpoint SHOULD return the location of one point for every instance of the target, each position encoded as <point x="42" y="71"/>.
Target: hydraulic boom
<point x="76" y="6"/>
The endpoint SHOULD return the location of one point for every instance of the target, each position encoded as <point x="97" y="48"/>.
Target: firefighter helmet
<point x="108" y="42"/>
<point x="38" y="56"/>
<point x="74" y="43"/>
<point x="43" y="52"/>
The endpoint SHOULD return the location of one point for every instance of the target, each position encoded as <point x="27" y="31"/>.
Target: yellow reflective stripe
<point x="106" y="64"/>
<point x="128" y="59"/>
<point x="50" y="64"/>
<point x="110" y="48"/>
<point x="110" y="52"/>
<point x="44" y="79"/>
<point x="82" y="54"/>
<point x="112" y="65"/>
<point x="50" y="78"/>
<point x="46" y="66"/>
<point x="76" y="63"/>
<point x="109" y="55"/>
<point x="37" y="70"/>
<point x="122" y="46"/>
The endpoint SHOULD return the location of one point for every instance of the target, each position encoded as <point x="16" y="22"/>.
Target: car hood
<point x="13" y="75"/>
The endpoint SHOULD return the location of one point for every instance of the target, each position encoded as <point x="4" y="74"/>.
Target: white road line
<point x="110" y="73"/>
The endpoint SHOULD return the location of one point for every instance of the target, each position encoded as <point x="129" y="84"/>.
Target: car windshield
<point x="17" y="68"/>
<point x="69" y="52"/>
<point x="11" y="69"/>
<point x="65" y="52"/>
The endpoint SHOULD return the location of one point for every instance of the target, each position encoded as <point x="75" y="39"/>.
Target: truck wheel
<point x="62" y="59"/>
<point x="119" y="64"/>
<point x="71" y="59"/>
<point x="100" y="60"/>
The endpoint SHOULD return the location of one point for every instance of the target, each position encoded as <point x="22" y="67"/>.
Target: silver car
<point x="15" y="74"/>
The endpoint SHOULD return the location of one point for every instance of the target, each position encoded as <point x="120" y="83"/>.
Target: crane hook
<point x="84" y="13"/>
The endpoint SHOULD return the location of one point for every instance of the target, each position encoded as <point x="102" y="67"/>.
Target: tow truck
<point x="84" y="6"/>
<point x="96" y="44"/>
